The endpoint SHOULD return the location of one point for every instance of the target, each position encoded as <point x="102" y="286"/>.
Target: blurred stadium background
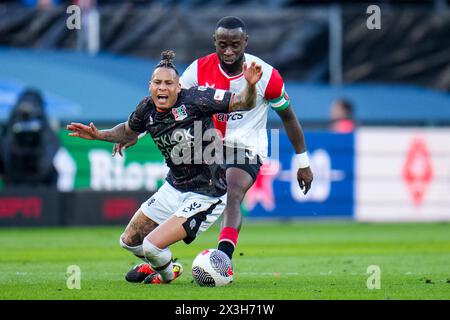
<point x="393" y="166"/>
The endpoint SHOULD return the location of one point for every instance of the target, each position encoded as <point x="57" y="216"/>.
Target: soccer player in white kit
<point x="245" y="130"/>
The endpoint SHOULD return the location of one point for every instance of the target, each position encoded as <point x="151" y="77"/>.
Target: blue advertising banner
<point x="276" y="193"/>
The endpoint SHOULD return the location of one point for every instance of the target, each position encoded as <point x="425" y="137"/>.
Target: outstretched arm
<point x="121" y="133"/>
<point x="246" y="99"/>
<point x="121" y="147"/>
<point x="295" y="135"/>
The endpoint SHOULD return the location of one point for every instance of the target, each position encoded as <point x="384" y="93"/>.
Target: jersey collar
<point x="227" y="76"/>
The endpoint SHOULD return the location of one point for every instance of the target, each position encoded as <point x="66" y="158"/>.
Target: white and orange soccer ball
<point x="212" y="268"/>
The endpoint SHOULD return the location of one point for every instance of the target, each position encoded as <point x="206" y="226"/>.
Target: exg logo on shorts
<point x="192" y="207"/>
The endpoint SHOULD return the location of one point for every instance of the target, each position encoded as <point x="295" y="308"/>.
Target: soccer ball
<point x="212" y="268"/>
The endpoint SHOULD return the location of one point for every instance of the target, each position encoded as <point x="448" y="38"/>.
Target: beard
<point x="234" y="68"/>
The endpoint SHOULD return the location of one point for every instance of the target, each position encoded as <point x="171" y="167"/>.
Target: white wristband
<point x="302" y="160"/>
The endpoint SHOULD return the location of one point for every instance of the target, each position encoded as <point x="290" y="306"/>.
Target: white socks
<point x="137" y="250"/>
<point x="158" y="258"/>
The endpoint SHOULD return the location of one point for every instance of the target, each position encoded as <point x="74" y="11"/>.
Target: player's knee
<point x="156" y="256"/>
<point x="133" y="248"/>
<point x="235" y="193"/>
<point x="126" y="240"/>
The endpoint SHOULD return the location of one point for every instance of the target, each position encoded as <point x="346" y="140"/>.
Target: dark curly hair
<point x="167" y="58"/>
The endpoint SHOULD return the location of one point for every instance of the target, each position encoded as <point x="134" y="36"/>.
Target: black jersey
<point x="173" y="133"/>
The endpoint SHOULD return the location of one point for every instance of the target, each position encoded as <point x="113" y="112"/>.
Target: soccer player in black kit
<point x="194" y="194"/>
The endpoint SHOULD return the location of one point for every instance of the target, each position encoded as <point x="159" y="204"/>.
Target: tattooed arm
<point x="121" y="133"/>
<point x="246" y="99"/>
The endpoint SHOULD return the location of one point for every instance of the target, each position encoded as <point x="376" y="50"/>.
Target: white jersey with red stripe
<point x="242" y="129"/>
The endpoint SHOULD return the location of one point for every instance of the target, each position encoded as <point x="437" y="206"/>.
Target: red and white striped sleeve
<point x="275" y="94"/>
<point x="189" y="77"/>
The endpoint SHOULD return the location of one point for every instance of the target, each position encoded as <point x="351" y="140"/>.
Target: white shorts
<point x="201" y="211"/>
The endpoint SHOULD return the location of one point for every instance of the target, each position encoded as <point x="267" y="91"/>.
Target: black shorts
<point x="243" y="159"/>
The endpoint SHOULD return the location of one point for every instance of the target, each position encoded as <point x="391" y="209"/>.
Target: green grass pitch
<point x="301" y="260"/>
